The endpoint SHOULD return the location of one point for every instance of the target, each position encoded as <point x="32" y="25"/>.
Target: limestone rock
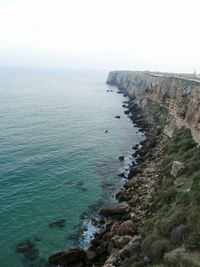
<point x="116" y="209"/>
<point x="177" y="168"/>
<point x="68" y="258"/>
<point x="127" y="228"/>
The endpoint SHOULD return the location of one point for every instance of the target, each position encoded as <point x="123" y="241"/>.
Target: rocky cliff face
<point x="179" y="93"/>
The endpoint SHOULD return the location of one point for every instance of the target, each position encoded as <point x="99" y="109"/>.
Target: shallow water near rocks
<point x="56" y="158"/>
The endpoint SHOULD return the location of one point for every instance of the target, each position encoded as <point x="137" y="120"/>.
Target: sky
<point x="159" y="35"/>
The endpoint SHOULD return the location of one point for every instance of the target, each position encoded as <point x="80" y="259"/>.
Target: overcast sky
<point x="102" y="34"/>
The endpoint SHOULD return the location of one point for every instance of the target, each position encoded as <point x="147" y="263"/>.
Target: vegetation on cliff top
<point x="175" y="214"/>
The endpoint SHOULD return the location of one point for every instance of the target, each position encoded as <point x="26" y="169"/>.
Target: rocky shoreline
<point x="156" y="221"/>
<point x="120" y="234"/>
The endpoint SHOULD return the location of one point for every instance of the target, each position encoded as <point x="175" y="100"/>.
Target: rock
<point x="24" y="246"/>
<point x="60" y="223"/>
<point x="125" y="106"/>
<point x="135" y="170"/>
<point x="73" y="236"/>
<point x="31" y="254"/>
<point x="121" y="174"/>
<point x="147" y="259"/>
<point x="116" y="209"/>
<point x="177" y="234"/>
<point x="94" y="221"/>
<point x="141" y="130"/>
<point x="135" y="146"/>
<point x="126" y="112"/>
<point x="68" y="258"/>
<point x="105" y="131"/>
<point x="121" y="158"/>
<point x="91" y="255"/>
<point x="36" y="238"/>
<point x="28" y="249"/>
<point x="127" y="228"/>
<point x="80" y="183"/>
<point x="120" y="241"/>
<point x="117" y="117"/>
<point x="135" y="244"/>
<point x="177" y="168"/>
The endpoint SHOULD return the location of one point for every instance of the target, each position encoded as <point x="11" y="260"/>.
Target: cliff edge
<point x="179" y="93"/>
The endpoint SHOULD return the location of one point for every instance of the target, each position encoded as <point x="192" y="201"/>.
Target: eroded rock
<point x="117" y="209"/>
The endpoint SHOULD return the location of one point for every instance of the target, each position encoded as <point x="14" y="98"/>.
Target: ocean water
<point x="56" y="159"/>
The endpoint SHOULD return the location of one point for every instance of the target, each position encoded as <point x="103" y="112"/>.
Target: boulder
<point x="120" y="241"/>
<point x="117" y="117"/>
<point x="121" y="174"/>
<point x="116" y="209"/>
<point x="91" y="255"/>
<point x="177" y="234"/>
<point x="127" y="228"/>
<point x="28" y="249"/>
<point x="68" y="258"/>
<point x="134" y="170"/>
<point x="177" y="168"/>
<point x="59" y="223"/>
<point x="121" y="158"/>
<point x="24" y="246"/>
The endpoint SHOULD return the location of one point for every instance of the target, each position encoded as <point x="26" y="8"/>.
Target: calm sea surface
<point x="56" y="159"/>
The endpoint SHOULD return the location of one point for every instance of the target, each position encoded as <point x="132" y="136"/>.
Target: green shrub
<point x="155" y="248"/>
<point x="179" y="258"/>
<point x="193" y="241"/>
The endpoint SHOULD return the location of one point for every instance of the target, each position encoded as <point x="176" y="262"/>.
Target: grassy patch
<point x="176" y="202"/>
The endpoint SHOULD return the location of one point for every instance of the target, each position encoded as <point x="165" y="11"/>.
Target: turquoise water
<point x="55" y="154"/>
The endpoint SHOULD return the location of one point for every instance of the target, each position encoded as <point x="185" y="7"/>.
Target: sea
<point x="59" y="158"/>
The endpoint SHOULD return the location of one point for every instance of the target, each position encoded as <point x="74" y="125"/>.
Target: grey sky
<point x="106" y="34"/>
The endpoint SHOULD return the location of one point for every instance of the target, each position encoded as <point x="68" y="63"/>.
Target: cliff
<point x="156" y="220"/>
<point x="179" y="93"/>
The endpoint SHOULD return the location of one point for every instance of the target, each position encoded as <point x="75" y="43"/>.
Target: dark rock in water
<point x="105" y="131"/>
<point x="60" y="223"/>
<point x="31" y="254"/>
<point x="80" y="183"/>
<point x="126" y="112"/>
<point x="73" y="236"/>
<point x="94" y="221"/>
<point x="83" y="216"/>
<point x="121" y="158"/>
<point x="135" y="146"/>
<point x="117" y="117"/>
<point x="83" y="189"/>
<point x="36" y="238"/>
<point x="24" y="246"/>
<point x="75" y="257"/>
<point x="28" y="249"/>
<point x="119" y="92"/>
<point x="141" y="130"/>
<point x="121" y="174"/>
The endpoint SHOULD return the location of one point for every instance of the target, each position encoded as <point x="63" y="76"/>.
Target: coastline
<point x="109" y="215"/>
<point x="157" y="217"/>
